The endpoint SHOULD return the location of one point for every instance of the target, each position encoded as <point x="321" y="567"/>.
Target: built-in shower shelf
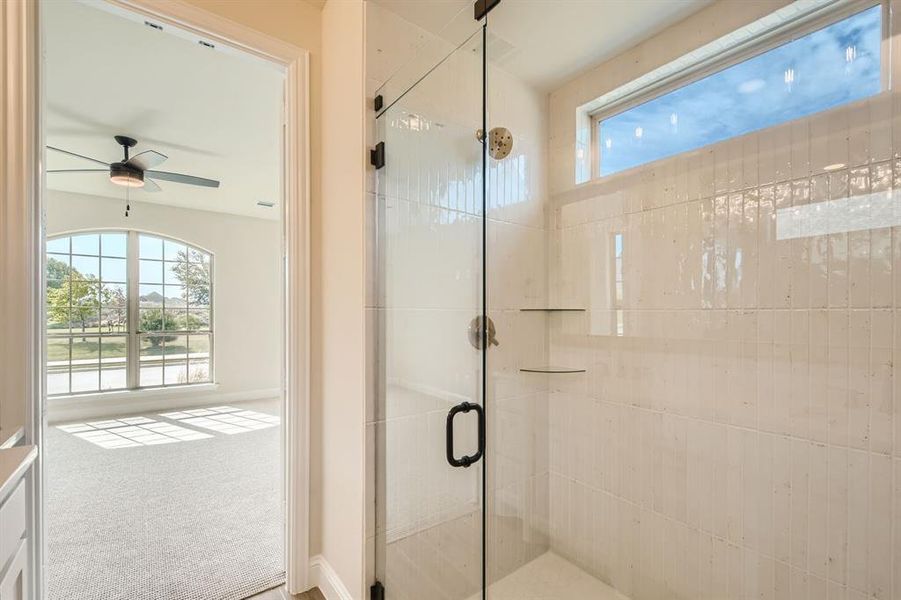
<point x="552" y="310"/>
<point x="552" y="369"/>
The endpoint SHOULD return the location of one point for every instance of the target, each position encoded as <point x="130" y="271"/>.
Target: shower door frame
<point x="377" y="156"/>
<point x="484" y="4"/>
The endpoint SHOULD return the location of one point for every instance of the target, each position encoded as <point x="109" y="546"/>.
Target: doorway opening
<point x="165" y="311"/>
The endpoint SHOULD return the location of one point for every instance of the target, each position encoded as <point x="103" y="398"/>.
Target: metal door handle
<point x="465" y="461"/>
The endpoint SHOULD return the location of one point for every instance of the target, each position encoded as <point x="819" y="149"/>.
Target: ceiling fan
<point x="136" y="171"/>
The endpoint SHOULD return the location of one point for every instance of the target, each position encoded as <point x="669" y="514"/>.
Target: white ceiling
<point x="214" y="112"/>
<point x="546" y="42"/>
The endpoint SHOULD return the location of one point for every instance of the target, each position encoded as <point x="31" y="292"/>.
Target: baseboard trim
<point x="323" y="576"/>
<point x="88" y="406"/>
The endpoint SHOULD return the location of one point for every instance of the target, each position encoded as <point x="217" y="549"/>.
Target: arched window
<point x="127" y="310"/>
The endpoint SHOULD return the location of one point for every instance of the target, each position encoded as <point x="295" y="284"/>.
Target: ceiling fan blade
<point x="100" y="162"/>
<point x="78" y="171"/>
<point x="179" y="178"/>
<point x="146" y="159"/>
<point x="150" y="186"/>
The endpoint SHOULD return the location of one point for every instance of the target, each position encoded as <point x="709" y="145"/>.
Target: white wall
<point x="342" y="294"/>
<point x="247" y="286"/>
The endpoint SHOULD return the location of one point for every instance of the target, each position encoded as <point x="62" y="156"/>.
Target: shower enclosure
<point x="633" y="305"/>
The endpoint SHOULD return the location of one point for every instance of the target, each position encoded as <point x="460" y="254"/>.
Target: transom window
<point x="833" y="65"/>
<point x="126" y="310"/>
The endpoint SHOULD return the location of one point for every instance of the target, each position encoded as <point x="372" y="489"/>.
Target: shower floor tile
<point x="550" y="577"/>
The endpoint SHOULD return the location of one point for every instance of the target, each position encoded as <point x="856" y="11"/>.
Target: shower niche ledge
<point x="551" y="310"/>
<point x="552" y="369"/>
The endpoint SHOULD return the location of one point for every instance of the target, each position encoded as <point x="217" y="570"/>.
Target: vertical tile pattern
<point x="738" y="437"/>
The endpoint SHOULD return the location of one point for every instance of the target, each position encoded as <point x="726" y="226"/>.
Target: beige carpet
<point x="185" y="507"/>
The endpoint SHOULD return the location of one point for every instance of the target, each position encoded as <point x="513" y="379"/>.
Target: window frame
<point x="133" y="333"/>
<point x="792" y="29"/>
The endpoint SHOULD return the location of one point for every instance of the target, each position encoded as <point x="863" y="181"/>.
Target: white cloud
<point x="751" y="86"/>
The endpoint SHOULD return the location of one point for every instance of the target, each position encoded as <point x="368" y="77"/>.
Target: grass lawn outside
<point x="111" y="348"/>
<point x="89" y="330"/>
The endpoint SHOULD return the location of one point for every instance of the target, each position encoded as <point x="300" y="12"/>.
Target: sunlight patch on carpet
<point x="130" y="432"/>
<point x="224" y="419"/>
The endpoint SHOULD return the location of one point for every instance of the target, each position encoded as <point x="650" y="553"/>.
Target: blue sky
<point x="831" y="66"/>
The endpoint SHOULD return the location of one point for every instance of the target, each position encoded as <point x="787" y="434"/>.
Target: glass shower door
<point x="429" y="421"/>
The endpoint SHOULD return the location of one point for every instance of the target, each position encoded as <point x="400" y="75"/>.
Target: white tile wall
<point x="739" y="438"/>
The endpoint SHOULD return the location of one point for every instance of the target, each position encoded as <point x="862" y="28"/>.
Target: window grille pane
<point x="113" y="269"/>
<point x="58" y="365"/>
<point x="151" y="319"/>
<point x="198" y="358"/>
<point x="175" y="296"/>
<point x="176" y="373"/>
<point x="114" y="244"/>
<point x="151" y="271"/>
<point x="176" y="353"/>
<point x="150" y="295"/>
<point x="176" y="319"/>
<point x="198" y="320"/>
<point x="174" y="250"/>
<point x="151" y="361"/>
<point x="85" y="363"/>
<point x="85" y="267"/>
<point x="113" y="363"/>
<point x="175" y="272"/>
<point x="57" y="319"/>
<point x="88" y="244"/>
<point x="58" y="245"/>
<point x="84" y="318"/>
<point x="113" y="309"/>
<point x="150" y="247"/>
<point x="58" y="266"/>
<point x="113" y="294"/>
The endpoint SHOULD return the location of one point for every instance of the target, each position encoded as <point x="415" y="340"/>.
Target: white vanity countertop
<point x="13" y="464"/>
<point x="9" y="438"/>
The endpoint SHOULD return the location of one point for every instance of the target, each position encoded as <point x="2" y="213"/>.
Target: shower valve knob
<point x="475" y="333"/>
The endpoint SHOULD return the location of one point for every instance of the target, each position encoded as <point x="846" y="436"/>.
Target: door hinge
<point x="483" y="7"/>
<point x="377" y="591"/>
<point x="378" y="102"/>
<point x="377" y="155"/>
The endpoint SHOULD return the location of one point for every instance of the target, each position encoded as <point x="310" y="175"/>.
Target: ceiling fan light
<point x="120" y="175"/>
<point x="126" y="180"/>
